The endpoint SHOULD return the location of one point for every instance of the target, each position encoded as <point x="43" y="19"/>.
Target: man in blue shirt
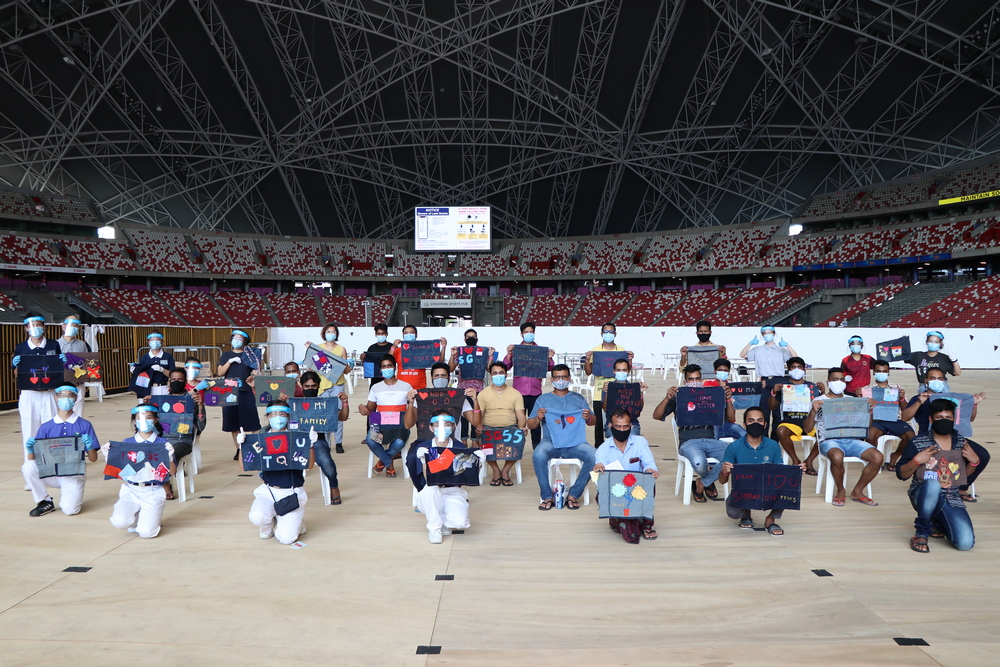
<point x="752" y="448"/>
<point x="65" y="424"/>
<point x="35" y="406"/>
<point x="625" y="451"/>
<point x="560" y="399"/>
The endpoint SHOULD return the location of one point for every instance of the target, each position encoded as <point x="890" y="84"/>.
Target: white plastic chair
<point x="185" y="468"/>
<point x="573" y="472"/>
<point x="887" y="445"/>
<point x="196" y="454"/>
<point x="371" y="463"/>
<point x="685" y="471"/>
<point x="483" y="469"/>
<point x="826" y="476"/>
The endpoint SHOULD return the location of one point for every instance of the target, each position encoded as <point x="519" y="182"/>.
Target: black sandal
<point x="337" y="500"/>
<point x="711" y="492"/>
<point x="698" y="497"/>
<point x="572" y="504"/>
<point x="811" y="472"/>
<point x="495" y="481"/>
<point x="919" y="544"/>
<point x="506" y="481"/>
<point x="546" y="505"/>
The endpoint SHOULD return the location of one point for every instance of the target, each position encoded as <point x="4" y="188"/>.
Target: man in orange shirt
<point x="416" y="378"/>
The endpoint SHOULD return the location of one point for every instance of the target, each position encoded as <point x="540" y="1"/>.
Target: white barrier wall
<point x="820" y="347"/>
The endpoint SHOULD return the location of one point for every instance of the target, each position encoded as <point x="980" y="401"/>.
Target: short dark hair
<point x="440" y="364"/>
<point x="411" y="326"/>
<point x="525" y="325"/>
<point x="472" y="330"/>
<point x="722" y="363"/>
<point x="941" y="405"/>
<point x="177" y="369"/>
<point x="754" y="408"/>
<point x="835" y="369"/>
<point x="196" y="360"/>
<point x="381" y="326"/>
<point x="620" y="412"/>
<point x="387" y="357"/>
<point x="880" y="362"/>
<point x="560" y="367"/>
<point x="940" y="370"/>
<point x="609" y="324"/>
<point x="795" y="360"/>
<point x="703" y="323"/>
<point x="623" y="360"/>
<point x="691" y="368"/>
<point x="500" y="364"/>
<point x="309" y="375"/>
<point x="291" y="363"/>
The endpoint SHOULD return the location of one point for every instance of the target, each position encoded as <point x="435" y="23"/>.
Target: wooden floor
<point x="529" y="587"/>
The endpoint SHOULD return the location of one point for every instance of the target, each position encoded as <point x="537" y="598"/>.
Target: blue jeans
<point x="325" y="461"/>
<point x="849" y="447"/>
<point x="933" y="508"/>
<point x="384" y="454"/>
<point x="541" y="455"/>
<point x="698" y="451"/>
<point x="730" y="430"/>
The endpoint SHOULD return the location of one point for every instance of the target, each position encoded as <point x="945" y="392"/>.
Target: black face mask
<point x="943" y="426"/>
<point x="177" y="386"/>
<point x="621" y="434"/>
<point x="471" y="340"/>
<point x="310" y="393"/>
<point x="755" y="430"/>
<point x="704" y="338"/>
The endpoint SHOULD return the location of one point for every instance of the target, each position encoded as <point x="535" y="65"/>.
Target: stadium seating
<point x="736" y="249"/>
<point x="382" y="308"/>
<point x="894" y="196"/>
<point x="423" y="264"/>
<point x="105" y="255"/>
<point x="246" y="309"/>
<point x="649" y="307"/>
<point x="163" y="252"/>
<point x="295" y="310"/>
<point x="869" y="244"/>
<point x="609" y="256"/>
<point x="30" y="251"/>
<point x="933" y="238"/>
<point x="65" y="208"/>
<point x="666" y="254"/>
<point x="291" y="258"/>
<point x="972" y="181"/>
<point x="229" y="255"/>
<point x="489" y="265"/>
<point x="141" y="306"/>
<point x="551" y="310"/>
<point x="546" y="258"/>
<point x="832" y="204"/>
<point x="942" y="312"/>
<point x="879" y="296"/>
<point x="787" y="298"/>
<point x="746" y="304"/>
<point x="984" y="233"/>
<point x="195" y="307"/>
<point x="344" y="310"/>
<point x="7" y="303"/>
<point x="600" y="307"/>
<point x="513" y="310"/>
<point x="14" y="203"/>
<point x="697" y="306"/>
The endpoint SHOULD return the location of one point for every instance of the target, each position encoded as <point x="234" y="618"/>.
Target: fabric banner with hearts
<point x="746" y="394"/>
<point x="472" y="362"/>
<point x="82" y="367"/>
<point x="39" y="372"/>
<point x="430" y="401"/>
<point x="897" y="349"/>
<point x="566" y="429"/>
<point x="222" y="391"/>
<point x="138" y="462"/>
<point x="271" y="387"/>
<point x="60" y="457"/>
<point x="275" y="450"/>
<point x="420" y="354"/>
<point x="700" y="406"/>
<point x="317" y="413"/>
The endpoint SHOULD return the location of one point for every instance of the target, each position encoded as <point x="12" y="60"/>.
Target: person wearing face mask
<point x="940" y="510"/>
<point x="608" y="333"/>
<point x="329" y="335"/>
<point x="35" y="406"/>
<point x="238" y="365"/>
<point x="563" y="401"/>
<point x="66" y="423"/>
<point x="629" y="452"/>
<point x="698" y="443"/>
<point x="378" y="349"/>
<point x="753" y="448"/>
<point x="415" y="377"/>
<point x="149" y="375"/>
<point x="622" y="370"/>
<point x="836" y="449"/>
<point x="184" y="444"/>
<point x="140" y="504"/>
<point x="790" y="429"/>
<point x="446" y="508"/>
<point x="857" y="366"/>
<point x="703" y="330"/>
<point x="475" y="383"/>
<point x="440" y="377"/>
<point x="291" y="370"/>
<point x="389" y="399"/>
<point x="723" y="374"/>
<point x="899" y="428"/>
<point x="933" y="358"/>
<point x="770" y="358"/>
<point x="321" y="446"/>
<point x="278" y="484"/>
<point x="70" y="342"/>
<point x="530" y="388"/>
<point x="192" y="377"/>
<point x="501" y="406"/>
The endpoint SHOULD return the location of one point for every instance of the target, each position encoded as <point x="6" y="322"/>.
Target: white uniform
<point x="71" y="495"/>
<point x="285" y="528"/>
<point x="444" y="506"/>
<point x="141" y="506"/>
<point x="35" y="408"/>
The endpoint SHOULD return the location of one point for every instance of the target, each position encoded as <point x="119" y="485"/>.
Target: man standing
<point x="704" y="332"/>
<point x="530" y="388"/>
<point x="608" y="333"/>
<point x="415" y="377"/>
<point x="769" y="360"/>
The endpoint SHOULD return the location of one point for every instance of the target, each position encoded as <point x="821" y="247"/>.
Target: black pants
<point x="536" y="433"/>
<point x="599" y="424"/>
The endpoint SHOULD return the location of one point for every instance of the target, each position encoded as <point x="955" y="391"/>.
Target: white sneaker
<point x="434" y="536"/>
<point x="446" y="530"/>
<point x="267" y="533"/>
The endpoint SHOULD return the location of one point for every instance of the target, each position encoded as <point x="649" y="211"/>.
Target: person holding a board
<point x="378" y="349"/>
<point x="624" y="394"/>
<point x="624" y="450"/>
<point x="415" y="377"/>
<point x="898" y="428"/>
<point x="608" y="333"/>
<point x="149" y="377"/>
<point x="933" y="358"/>
<point x="236" y="366"/>
<point x="388" y="401"/>
<point x="65" y="424"/>
<point x="470" y="361"/>
<point x="184" y="444"/>
<point x="71" y="342"/>
<point x="501" y="406"/>
<point x="724" y="374"/>
<point x="140" y="504"/>
<point x="836" y="449"/>
<point x="440" y="376"/>
<point x="38" y="404"/>
<point x="792" y="401"/>
<point x="936" y="463"/>
<point x="530" y="387"/>
<point x="703" y="330"/>
<point x="329" y="335"/>
<point x="321" y="447"/>
<point x="857" y="366"/>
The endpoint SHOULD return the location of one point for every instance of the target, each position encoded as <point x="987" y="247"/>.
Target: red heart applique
<point x="406" y="346"/>
<point x="406" y="359"/>
<point x="305" y="406"/>
<point x="34" y="380"/>
<point x="570" y="420"/>
<point x="468" y="350"/>
<point x="423" y="395"/>
<point x="452" y="392"/>
<point x="46" y="380"/>
<point x="436" y="358"/>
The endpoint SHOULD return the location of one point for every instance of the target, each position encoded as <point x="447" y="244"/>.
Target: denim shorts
<point x="849" y="447"/>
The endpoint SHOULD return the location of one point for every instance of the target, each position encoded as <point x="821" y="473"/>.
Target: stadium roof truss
<point x="327" y="118"/>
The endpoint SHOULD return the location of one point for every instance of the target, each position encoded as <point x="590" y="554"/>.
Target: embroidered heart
<point x="452" y="392"/>
<point x="570" y="420"/>
<point x="406" y="346"/>
<point x="46" y="380"/>
<point x="423" y="395"/>
<point x="436" y="358"/>
<point x="34" y="380"/>
<point x="274" y="385"/>
<point x="468" y="350"/>
<point x="691" y="407"/>
<point x="305" y="406"/>
<point x="406" y="359"/>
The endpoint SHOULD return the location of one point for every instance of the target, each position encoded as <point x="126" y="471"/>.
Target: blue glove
<point x="755" y="341"/>
<point x="30" y="445"/>
<point x="15" y="361"/>
<point x="86" y="440"/>
<point x="782" y="343"/>
<point x="201" y="386"/>
<point x="62" y="358"/>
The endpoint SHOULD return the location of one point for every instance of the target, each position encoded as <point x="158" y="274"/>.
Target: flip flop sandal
<point x="967" y="497"/>
<point x="390" y="473"/>
<point x="775" y="529"/>
<point x="711" y="492"/>
<point x="506" y="481"/>
<point x="811" y="472"/>
<point x="378" y="468"/>
<point x="698" y="497"/>
<point x="572" y="504"/>
<point x="496" y="481"/>
<point x="865" y="501"/>
<point x="838" y="502"/>
<point x="336" y="501"/>
<point x="746" y="524"/>
<point x="918" y="546"/>
<point x="649" y="535"/>
<point x="546" y="505"/>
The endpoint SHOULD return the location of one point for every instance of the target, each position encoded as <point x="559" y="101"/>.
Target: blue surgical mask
<point x="608" y="337"/>
<point x="65" y="404"/>
<point x="144" y="425"/>
<point x="36" y="332"/>
<point x="291" y="375"/>
<point x="498" y="380"/>
<point x="440" y="383"/>
<point x="155" y="344"/>
<point x="72" y="331"/>
<point x="409" y="338"/>
<point x="388" y="373"/>
<point x="937" y="386"/>
<point x="561" y="385"/>
<point x="768" y="337"/>
<point x="722" y="376"/>
<point x="621" y="376"/>
<point x="237" y="343"/>
<point x="855" y="349"/>
<point x="443" y="431"/>
<point x="330" y="336"/>
<point x="529" y="338"/>
<point x="933" y="347"/>
<point x="380" y="339"/>
<point x="881" y="377"/>
<point x="277" y="423"/>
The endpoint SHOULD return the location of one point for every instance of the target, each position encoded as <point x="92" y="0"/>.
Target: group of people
<point x="764" y="433"/>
